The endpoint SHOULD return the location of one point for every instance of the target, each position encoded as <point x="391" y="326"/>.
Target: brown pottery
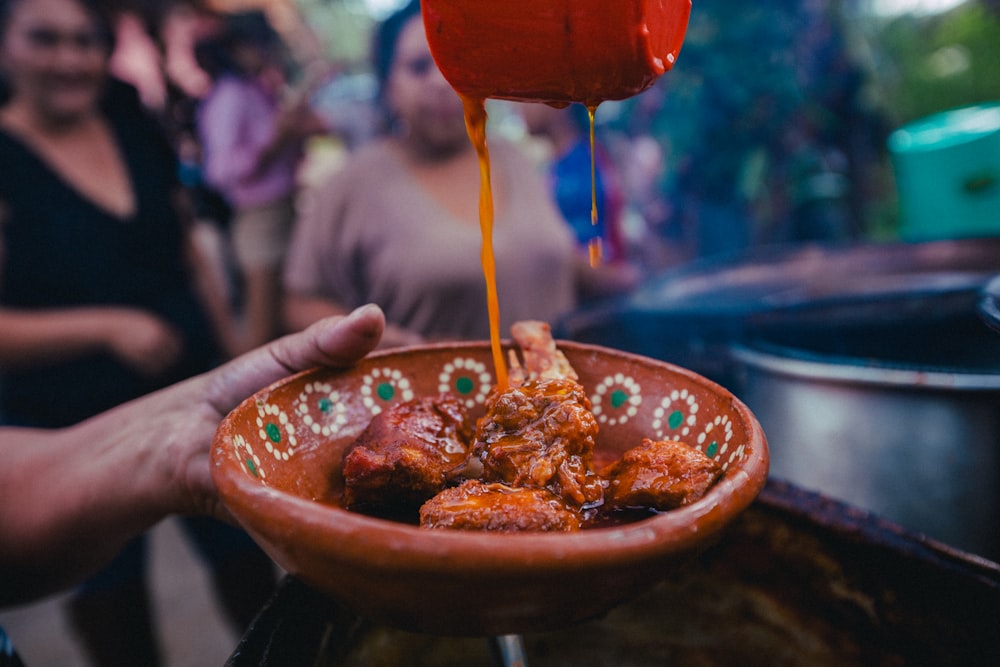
<point x="276" y="460"/>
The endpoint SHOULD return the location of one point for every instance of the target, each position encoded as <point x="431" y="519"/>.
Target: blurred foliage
<point x="764" y="98"/>
<point x="344" y="26"/>
<point x="767" y="100"/>
<point x="933" y="63"/>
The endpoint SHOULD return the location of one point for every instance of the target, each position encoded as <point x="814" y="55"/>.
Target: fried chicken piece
<point x="406" y="453"/>
<point x="540" y="432"/>
<point x="660" y="475"/>
<point x="476" y="505"/>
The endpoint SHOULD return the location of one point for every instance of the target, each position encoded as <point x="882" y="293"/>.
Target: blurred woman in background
<point x="99" y="288"/>
<point x="399" y="224"/>
<point x="252" y="141"/>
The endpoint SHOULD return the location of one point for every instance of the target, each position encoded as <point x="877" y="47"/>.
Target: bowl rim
<point x="377" y="542"/>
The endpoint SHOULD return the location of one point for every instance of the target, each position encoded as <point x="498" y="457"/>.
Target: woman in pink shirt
<point x="252" y="145"/>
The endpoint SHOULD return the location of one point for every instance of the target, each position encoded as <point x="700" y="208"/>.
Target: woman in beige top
<point x="399" y="226"/>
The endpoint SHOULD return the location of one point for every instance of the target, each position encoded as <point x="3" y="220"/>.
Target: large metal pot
<point x="691" y="315"/>
<point x="873" y="376"/>
<point x="903" y="421"/>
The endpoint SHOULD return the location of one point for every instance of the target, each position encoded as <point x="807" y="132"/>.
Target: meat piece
<point x="541" y="435"/>
<point x="476" y="505"/>
<point x="406" y="454"/>
<point x="540" y="432"/>
<point x="660" y="475"/>
<point x="542" y="359"/>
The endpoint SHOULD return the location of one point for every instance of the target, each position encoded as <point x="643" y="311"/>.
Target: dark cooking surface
<point x="799" y="579"/>
<point x="958" y="344"/>
<point x="787" y="277"/>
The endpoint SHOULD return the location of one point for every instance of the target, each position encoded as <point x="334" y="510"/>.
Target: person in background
<point x="66" y="508"/>
<point x="575" y="183"/>
<point x="252" y="143"/>
<point x="399" y="224"/>
<point x="102" y="298"/>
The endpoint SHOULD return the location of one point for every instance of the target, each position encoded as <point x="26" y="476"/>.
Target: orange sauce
<point x="475" y="125"/>
<point x="595" y="248"/>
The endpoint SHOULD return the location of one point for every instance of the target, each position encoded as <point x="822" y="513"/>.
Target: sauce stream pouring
<point x="553" y="51"/>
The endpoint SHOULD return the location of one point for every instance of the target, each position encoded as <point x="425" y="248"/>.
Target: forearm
<point x="30" y="338"/>
<point x="205" y="260"/>
<point x="270" y="152"/>
<point x="70" y="500"/>
<point x="293" y="127"/>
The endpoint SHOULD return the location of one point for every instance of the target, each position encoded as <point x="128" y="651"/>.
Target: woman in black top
<point x="98" y="303"/>
<point x="71" y="261"/>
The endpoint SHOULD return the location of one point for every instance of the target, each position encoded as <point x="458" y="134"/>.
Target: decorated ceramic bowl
<point x="276" y="460"/>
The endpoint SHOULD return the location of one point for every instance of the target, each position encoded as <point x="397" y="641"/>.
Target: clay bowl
<point x="276" y="460"/>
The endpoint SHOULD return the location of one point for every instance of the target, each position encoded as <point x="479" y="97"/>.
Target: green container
<point x="947" y="169"/>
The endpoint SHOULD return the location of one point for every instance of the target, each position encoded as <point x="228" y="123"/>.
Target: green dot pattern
<point x="618" y="398"/>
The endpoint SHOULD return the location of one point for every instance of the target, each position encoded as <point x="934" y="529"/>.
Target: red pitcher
<point x="555" y="51"/>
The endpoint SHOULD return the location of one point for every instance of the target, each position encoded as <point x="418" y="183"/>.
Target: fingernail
<point x="364" y="311"/>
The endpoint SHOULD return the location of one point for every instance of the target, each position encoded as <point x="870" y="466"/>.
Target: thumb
<point x="337" y="342"/>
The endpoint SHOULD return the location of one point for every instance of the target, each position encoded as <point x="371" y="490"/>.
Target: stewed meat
<point x="406" y="454"/>
<point x="476" y="505"/>
<point x="660" y="475"/>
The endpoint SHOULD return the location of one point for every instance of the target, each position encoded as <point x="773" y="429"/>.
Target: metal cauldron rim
<point x="793" y="362"/>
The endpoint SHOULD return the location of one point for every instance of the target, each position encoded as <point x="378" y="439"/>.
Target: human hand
<point x="87" y="489"/>
<point x="607" y="280"/>
<point x="186" y="417"/>
<point x="142" y="341"/>
<point x="299" y="122"/>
